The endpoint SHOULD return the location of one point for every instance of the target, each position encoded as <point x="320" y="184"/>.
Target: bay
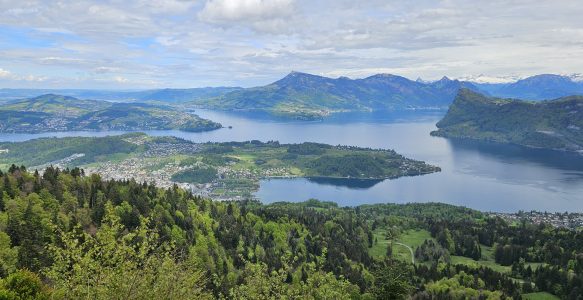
<point x="485" y="176"/>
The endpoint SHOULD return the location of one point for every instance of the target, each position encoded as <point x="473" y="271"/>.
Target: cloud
<point x="181" y="43"/>
<point x="103" y="70"/>
<point x="61" y="60"/>
<point x="254" y="13"/>
<point x="4" y="73"/>
<point x="32" y="78"/>
<point x="7" y="75"/>
<point x="245" y="10"/>
<point x="490" y="79"/>
<point x="120" y="79"/>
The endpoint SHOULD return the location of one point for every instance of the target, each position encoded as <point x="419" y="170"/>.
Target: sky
<point x="125" y="44"/>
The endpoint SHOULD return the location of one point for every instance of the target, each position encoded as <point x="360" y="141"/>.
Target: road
<point x="410" y="250"/>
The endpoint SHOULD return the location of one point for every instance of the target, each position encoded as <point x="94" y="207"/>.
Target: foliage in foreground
<point x="64" y="235"/>
<point x="114" y="263"/>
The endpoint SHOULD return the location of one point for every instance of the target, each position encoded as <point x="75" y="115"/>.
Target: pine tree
<point x="31" y="253"/>
<point x="390" y="250"/>
<point x="8" y="187"/>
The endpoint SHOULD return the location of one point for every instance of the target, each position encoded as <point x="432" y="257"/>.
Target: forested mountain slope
<point x="554" y="124"/>
<point x="67" y="235"/>
<point x="306" y="96"/>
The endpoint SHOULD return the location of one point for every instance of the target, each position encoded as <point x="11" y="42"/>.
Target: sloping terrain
<point x="554" y="124"/>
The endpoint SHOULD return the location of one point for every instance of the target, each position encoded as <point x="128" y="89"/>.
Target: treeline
<point x="308" y="148"/>
<point x="196" y="175"/>
<point x="464" y="282"/>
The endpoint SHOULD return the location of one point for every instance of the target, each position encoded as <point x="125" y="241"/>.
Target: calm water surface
<point x="483" y="176"/>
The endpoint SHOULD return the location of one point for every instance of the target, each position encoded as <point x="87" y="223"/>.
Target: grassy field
<point x="379" y="247"/>
<point x="534" y="266"/>
<point x="486" y="263"/>
<point x="411" y="238"/>
<point x="414" y="238"/>
<point x="539" y="296"/>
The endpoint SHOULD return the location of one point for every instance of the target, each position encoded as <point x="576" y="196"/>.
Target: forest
<point x="68" y="235"/>
<point x="551" y="124"/>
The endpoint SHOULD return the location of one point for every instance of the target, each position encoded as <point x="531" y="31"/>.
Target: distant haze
<point x="141" y="44"/>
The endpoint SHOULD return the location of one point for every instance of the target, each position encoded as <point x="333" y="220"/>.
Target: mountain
<point x="50" y="113"/>
<point x="306" y="96"/>
<point x="539" y="87"/>
<point x="7" y="94"/>
<point x="554" y="124"/>
<point x="57" y="104"/>
<point x="184" y="95"/>
<point x="160" y="95"/>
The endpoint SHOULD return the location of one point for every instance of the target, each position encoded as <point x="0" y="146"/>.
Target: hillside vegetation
<point x="554" y="124"/>
<point x="65" y="235"/>
<point x="306" y="96"/>
<point x="62" y="113"/>
<point x="198" y="162"/>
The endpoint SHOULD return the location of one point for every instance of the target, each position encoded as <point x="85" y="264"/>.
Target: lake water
<point x="483" y="176"/>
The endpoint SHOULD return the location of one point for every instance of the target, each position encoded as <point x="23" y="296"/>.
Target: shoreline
<point x="437" y="133"/>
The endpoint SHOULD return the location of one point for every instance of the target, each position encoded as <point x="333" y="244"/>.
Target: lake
<point x="484" y="176"/>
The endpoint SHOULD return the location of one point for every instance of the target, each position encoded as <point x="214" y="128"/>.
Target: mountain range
<point x="539" y="87"/>
<point x="306" y="96"/>
<point x="554" y="124"/>
<point x="161" y="95"/>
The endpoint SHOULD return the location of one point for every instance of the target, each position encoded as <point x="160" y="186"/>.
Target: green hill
<point x="55" y="104"/>
<point x="49" y="113"/>
<point x="139" y="116"/>
<point x="554" y="124"/>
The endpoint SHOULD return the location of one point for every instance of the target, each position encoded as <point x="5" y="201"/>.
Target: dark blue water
<point x="484" y="176"/>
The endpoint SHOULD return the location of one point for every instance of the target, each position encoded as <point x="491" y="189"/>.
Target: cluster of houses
<point x="566" y="220"/>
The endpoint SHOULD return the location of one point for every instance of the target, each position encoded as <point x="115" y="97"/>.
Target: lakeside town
<point x="229" y="185"/>
<point x="160" y="162"/>
<point x="556" y="219"/>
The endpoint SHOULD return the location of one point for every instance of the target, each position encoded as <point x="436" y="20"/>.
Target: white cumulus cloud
<point x="4" y="73"/>
<point x="7" y="75"/>
<point x="120" y="79"/>
<point x="225" y="11"/>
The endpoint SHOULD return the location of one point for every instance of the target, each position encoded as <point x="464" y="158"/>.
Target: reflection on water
<point x="518" y="154"/>
<point x="345" y="182"/>
<point x="484" y="176"/>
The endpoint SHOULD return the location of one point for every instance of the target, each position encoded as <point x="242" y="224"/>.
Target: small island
<point x="553" y="124"/>
<point x="228" y="171"/>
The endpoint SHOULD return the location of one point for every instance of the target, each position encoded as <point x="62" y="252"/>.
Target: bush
<point x="23" y="284"/>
